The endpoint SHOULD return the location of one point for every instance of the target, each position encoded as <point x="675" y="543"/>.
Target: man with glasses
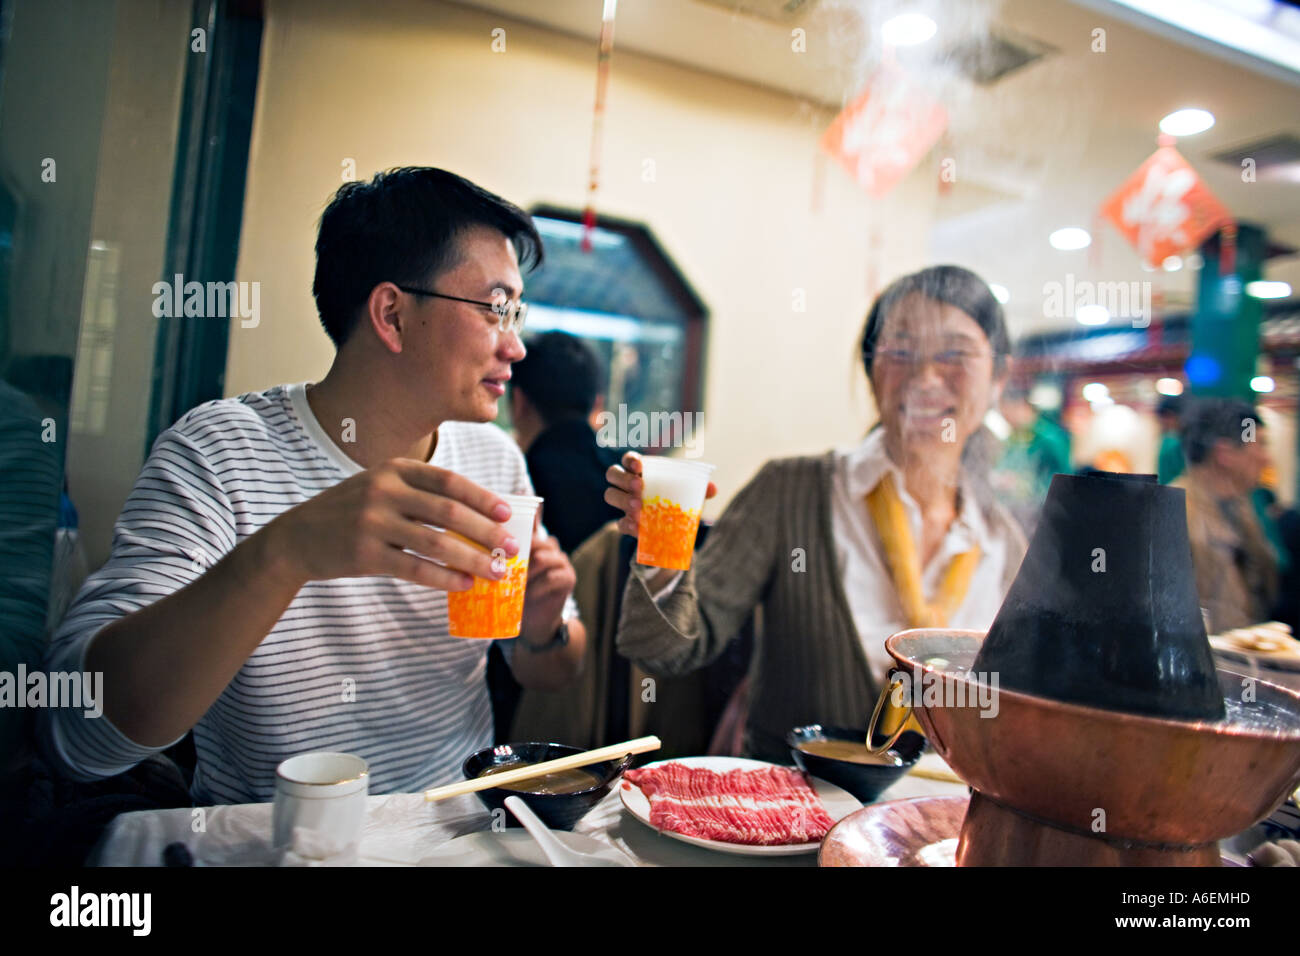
<point x="277" y="582"/>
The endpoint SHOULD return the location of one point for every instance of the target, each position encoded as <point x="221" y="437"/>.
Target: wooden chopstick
<point x="612" y="752"/>
<point x="947" y="776"/>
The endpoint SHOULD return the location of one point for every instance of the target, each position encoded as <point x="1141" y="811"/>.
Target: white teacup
<point x="323" y="792"/>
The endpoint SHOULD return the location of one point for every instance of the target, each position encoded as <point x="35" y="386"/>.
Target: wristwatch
<point x="559" y="639"/>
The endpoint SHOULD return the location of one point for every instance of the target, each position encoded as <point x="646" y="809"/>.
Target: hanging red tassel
<point x="605" y="49"/>
<point x="1228" y="249"/>
<point x="873" y="261"/>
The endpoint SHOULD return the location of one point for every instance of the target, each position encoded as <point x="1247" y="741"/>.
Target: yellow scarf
<point x="890" y="518"/>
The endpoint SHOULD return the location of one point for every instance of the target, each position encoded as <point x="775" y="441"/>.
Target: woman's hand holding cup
<point x="625" y="490"/>
<point x="671" y="533"/>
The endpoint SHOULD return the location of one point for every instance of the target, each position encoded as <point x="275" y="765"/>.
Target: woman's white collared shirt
<point x="873" y="600"/>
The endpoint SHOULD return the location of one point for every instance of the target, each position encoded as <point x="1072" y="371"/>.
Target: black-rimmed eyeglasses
<point x="510" y="313"/>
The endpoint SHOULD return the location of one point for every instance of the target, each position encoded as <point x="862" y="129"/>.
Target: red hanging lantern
<point x="881" y="136"/>
<point x="1165" y="208"/>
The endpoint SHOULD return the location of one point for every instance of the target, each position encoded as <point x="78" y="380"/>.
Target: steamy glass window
<point x="628" y="302"/>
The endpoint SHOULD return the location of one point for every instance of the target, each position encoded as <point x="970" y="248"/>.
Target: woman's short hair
<point x="951" y="285"/>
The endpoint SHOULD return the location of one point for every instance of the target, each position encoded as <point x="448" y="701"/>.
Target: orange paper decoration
<point x="883" y="134"/>
<point x="1165" y="207"/>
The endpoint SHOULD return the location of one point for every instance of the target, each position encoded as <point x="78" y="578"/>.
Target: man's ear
<point x="384" y="315"/>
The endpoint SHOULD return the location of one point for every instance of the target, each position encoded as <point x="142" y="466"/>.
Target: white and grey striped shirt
<point x="364" y="665"/>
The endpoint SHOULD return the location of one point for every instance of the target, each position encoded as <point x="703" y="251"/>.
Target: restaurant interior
<point x="1023" y="273"/>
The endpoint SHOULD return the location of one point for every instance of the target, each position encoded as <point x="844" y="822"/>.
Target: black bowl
<point x="864" y="780"/>
<point x="559" y="811"/>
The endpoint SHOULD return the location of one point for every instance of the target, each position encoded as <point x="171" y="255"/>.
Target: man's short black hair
<point x="1206" y="420"/>
<point x="402" y="226"/>
<point x="560" y="375"/>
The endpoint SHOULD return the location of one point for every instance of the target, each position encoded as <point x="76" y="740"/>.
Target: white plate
<point x="517" y="848"/>
<point x="838" y="803"/>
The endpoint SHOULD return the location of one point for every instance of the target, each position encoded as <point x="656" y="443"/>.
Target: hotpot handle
<point x="895" y="680"/>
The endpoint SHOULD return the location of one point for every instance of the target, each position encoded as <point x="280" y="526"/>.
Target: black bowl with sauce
<point x="559" y="811"/>
<point x="866" y="781"/>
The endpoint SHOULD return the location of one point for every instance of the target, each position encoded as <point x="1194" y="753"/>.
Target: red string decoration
<point x="604" y="51"/>
<point x="1228" y="249"/>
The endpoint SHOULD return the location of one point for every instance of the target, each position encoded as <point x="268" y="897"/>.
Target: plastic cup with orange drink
<point x="495" y="609"/>
<point x="671" y="498"/>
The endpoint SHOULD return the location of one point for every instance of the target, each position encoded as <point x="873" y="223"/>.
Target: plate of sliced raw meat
<point x="735" y="805"/>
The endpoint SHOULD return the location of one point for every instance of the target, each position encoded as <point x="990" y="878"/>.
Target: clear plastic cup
<point x="495" y="609"/>
<point x="671" y="499"/>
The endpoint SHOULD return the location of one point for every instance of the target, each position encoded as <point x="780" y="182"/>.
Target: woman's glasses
<point x="954" y="359"/>
<point x="510" y="313"/>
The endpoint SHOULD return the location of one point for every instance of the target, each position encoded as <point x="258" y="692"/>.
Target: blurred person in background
<point x="553" y="390"/>
<point x="1288" y="602"/>
<point x="29" y="513"/>
<point x="1280" y="527"/>
<point x="552" y="393"/>
<point x="1236" y="568"/>
<point x="1037" y="448"/>
<point x="845" y="548"/>
<point x="1169" y="459"/>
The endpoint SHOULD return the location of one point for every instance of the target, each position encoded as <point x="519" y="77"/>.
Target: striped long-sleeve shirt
<point x="364" y="665"/>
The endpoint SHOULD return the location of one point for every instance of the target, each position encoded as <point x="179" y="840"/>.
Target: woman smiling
<point x="843" y="549"/>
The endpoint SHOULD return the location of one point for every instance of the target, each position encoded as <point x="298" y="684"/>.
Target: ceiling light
<point x="1172" y="263"/>
<point x="1261" y="383"/>
<point x="1092" y="315"/>
<point x="1169" y="386"/>
<point x="1187" y="122"/>
<point x="1070" y="238"/>
<point x="908" y="29"/>
<point x="1096" y="392"/>
<point x="1262" y="289"/>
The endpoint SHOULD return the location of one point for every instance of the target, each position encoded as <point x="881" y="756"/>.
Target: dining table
<point x="404" y="829"/>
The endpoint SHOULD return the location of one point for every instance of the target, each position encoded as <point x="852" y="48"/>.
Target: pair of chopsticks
<point x="600" y="754"/>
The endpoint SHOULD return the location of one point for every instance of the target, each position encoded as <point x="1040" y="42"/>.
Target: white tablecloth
<point x="402" y="828"/>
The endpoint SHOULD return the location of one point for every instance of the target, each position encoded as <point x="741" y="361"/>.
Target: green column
<point x="1225" y="323"/>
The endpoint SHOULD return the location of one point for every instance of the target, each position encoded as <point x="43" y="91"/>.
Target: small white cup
<point x="324" y="792"/>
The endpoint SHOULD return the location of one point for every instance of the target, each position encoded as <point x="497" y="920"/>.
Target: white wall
<point x="416" y="82"/>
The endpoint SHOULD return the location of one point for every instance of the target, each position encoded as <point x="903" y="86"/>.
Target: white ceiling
<point x="1039" y="149"/>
